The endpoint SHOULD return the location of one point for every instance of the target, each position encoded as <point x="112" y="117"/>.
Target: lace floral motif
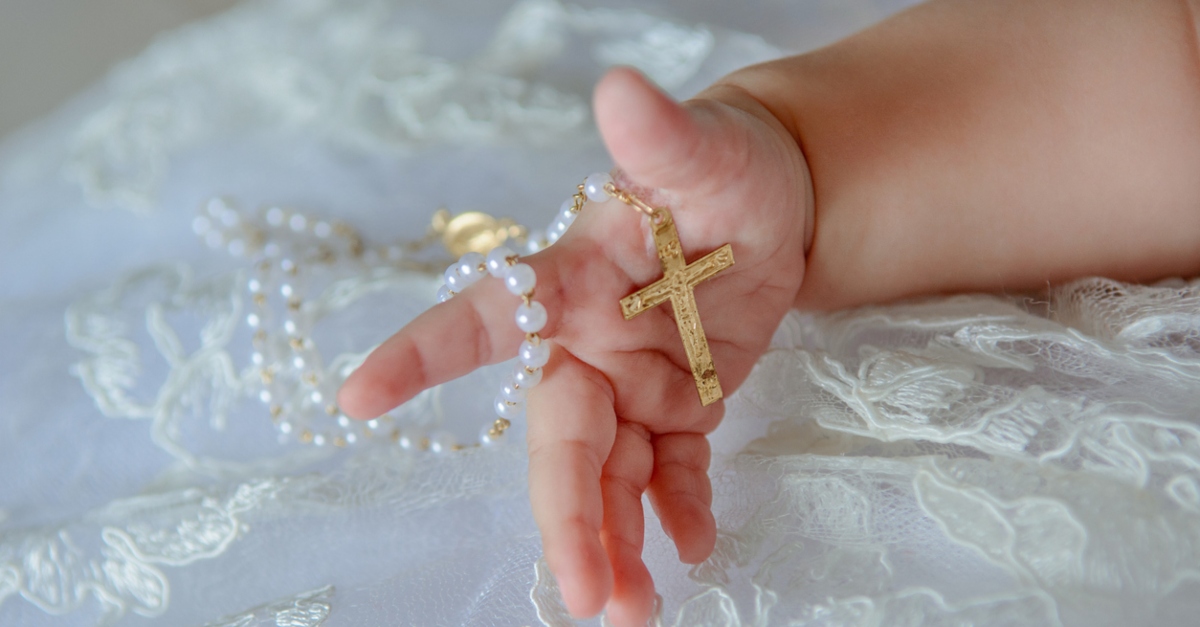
<point x="202" y="381"/>
<point x="547" y="599"/>
<point x="922" y="606"/>
<point x="51" y="572"/>
<point x="201" y="377"/>
<point x="357" y="72"/>
<point x="135" y="540"/>
<point x="1068" y="461"/>
<point x="307" y="609"/>
<point x="136" y="536"/>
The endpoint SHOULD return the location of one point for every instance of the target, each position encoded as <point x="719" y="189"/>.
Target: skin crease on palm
<point x="878" y="168"/>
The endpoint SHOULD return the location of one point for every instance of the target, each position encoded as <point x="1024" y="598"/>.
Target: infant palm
<point x="618" y="413"/>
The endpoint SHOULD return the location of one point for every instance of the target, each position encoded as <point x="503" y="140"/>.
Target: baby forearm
<point x="996" y="144"/>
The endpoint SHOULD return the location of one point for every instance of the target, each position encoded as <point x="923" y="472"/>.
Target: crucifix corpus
<point x="677" y="285"/>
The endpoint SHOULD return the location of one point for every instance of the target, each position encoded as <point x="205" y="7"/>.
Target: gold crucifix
<point x="679" y="279"/>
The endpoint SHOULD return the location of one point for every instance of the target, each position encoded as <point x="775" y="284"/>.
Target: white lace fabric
<point x="964" y="460"/>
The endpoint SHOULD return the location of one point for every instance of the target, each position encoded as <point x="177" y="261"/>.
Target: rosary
<point x="298" y="390"/>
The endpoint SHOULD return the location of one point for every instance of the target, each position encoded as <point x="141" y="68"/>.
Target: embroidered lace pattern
<point x="948" y="460"/>
<point x="307" y="609"/>
<point x="352" y="72"/>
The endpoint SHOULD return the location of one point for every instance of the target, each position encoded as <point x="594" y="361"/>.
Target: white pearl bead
<point x="534" y="355"/>
<point x="566" y="215"/>
<point x="526" y="379"/>
<point x="453" y="280"/>
<point x="513" y="393"/>
<point x="486" y="438"/>
<point x="593" y="186"/>
<point x="566" y="206"/>
<point x="534" y="243"/>
<point x="531" y="318"/>
<point x="468" y="267"/>
<point x="497" y="261"/>
<point x="215" y="206"/>
<point x="351" y="438"/>
<point x="298" y="222"/>
<point x="285" y="427"/>
<point x="201" y="225"/>
<point x="275" y="216"/>
<point x="552" y="236"/>
<point x="442" y="442"/>
<point x="409" y="440"/>
<point x="322" y="230"/>
<point x="319" y="440"/>
<point x="520" y="279"/>
<point x="444" y="294"/>
<point x="508" y="410"/>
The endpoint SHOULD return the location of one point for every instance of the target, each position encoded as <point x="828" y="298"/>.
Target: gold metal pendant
<point x="474" y="231"/>
<point x="677" y="285"/>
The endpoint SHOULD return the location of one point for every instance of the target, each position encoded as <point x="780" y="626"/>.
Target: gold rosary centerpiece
<point x="677" y="286"/>
<point x="474" y="231"/>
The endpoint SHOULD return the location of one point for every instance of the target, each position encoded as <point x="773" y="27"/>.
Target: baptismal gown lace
<point x="975" y="460"/>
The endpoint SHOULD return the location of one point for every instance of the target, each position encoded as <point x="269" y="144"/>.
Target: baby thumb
<point x="656" y="141"/>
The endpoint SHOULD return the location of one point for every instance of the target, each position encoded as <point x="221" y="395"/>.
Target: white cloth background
<point x="966" y="460"/>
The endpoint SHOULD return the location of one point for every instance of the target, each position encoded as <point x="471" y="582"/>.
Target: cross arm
<point x="709" y="265"/>
<point x="646" y="298"/>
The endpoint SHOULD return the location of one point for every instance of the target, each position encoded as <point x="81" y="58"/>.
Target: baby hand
<point x="617" y="413"/>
